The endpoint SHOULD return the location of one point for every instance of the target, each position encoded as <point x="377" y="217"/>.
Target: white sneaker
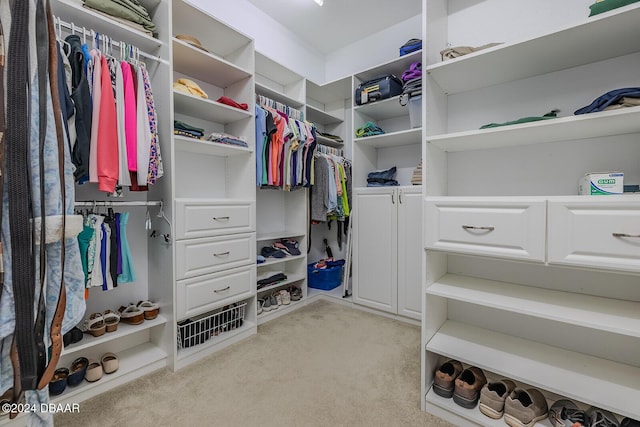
<point x="285" y="297"/>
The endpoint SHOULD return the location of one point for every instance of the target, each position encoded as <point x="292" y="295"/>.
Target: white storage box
<point x="415" y="111"/>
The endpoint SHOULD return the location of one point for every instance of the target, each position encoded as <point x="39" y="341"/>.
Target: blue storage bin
<point x="325" y="278"/>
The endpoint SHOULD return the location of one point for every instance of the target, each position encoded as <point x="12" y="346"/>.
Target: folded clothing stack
<point x="612" y="100"/>
<point x="232" y="103"/>
<point x="334" y="138"/>
<point x="185" y="129"/>
<point x="128" y="12"/>
<point x="224" y="138"/>
<point x="601" y="6"/>
<point x="190" y="88"/>
<point x="270" y="278"/>
<point x="550" y="115"/>
<point x="416" y="178"/>
<point x="368" y="129"/>
<point x="383" y="178"/>
<point x="280" y="249"/>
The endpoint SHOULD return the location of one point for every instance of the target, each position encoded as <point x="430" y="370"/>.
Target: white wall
<point x="271" y="38"/>
<point x="376" y="49"/>
<point x="536" y="18"/>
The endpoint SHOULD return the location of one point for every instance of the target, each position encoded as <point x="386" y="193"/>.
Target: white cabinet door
<point x="375" y="249"/>
<point x="506" y="227"/>
<point x="410" y="253"/>
<point x="595" y="231"/>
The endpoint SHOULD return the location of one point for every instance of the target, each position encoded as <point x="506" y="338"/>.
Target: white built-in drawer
<point x="595" y="231"/>
<point x="202" y="218"/>
<point x="196" y="257"/>
<point x="201" y="294"/>
<point x="504" y="227"/>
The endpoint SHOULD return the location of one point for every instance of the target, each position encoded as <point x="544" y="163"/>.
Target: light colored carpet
<point x="323" y="365"/>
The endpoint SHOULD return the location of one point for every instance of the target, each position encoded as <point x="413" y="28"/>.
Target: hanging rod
<point x="119" y="44"/>
<point x="108" y="203"/>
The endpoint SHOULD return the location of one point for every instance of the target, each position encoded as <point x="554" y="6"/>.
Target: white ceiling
<point x="339" y="22"/>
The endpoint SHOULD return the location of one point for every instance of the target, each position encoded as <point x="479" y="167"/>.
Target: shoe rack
<point x="524" y="278"/>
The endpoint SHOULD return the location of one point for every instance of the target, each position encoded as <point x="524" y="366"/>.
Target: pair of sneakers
<point x="566" y="413"/>
<point x="464" y="385"/>
<point x="275" y="300"/>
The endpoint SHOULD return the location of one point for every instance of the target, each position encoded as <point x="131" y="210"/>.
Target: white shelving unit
<point x="530" y="319"/>
<point x="214" y="197"/>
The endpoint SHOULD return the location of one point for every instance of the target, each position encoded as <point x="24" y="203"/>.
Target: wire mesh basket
<point x="192" y="332"/>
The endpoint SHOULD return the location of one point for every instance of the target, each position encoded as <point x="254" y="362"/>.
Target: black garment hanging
<point x="82" y="101"/>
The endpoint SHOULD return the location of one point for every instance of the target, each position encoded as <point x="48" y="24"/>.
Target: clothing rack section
<point x="112" y="121"/>
<point x="266" y="102"/>
<point x="285" y="146"/>
<point x="107" y="43"/>
<point x="331" y="194"/>
<point x="330" y="150"/>
<point x="108" y="203"/>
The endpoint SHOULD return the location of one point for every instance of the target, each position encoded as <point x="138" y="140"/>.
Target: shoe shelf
<point x="595" y="381"/>
<point x="383" y="109"/>
<point x="276" y="261"/>
<point x="200" y="146"/>
<point x="594" y="125"/>
<point x="292" y="278"/>
<point x="437" y="403"/>
<point x="285" y="234"/>
<point x="73" y="11"/>
<point x="124" y="329"/>
<point x="206" y="109"/>
<point x="393" y="139"/>
<point x="133" y="363"/>
<point x="204" y="66"/>
<point x="280" y="311"/>
<point x="607" y="314"/>
<point x="595" y="39"/>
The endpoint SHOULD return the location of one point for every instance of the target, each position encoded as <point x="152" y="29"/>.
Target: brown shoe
<point x="468" y="386"/>
<point x="443" y="382"/>
<point x="524" y="408"/>
<point x="492" y="397"/>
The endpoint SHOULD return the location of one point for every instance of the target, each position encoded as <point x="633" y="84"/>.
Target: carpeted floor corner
<point x="323" y="365"/>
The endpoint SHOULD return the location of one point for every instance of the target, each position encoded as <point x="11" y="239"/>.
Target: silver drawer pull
<point x="471" y="227"/>
<point x="635" y="236"/>
<point x="221" y="218"/>
<point x="221" y="254"/>
<point x="222" y="290"/>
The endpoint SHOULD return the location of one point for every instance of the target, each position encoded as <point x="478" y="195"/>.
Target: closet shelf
<point x="262" y="89"/>
<point x="275" y="235"/>
<point x="393" y="139"/>
<point x="280" y="311"/>
<point x="617" y="316"/>
<point x="596" y="39"/>
<point x="207" y="109"/>
<point x="316" y="115"/>
<point x="384" y="109"/>
<point x="292" y="278"/>
<point x="592" y="380"/>
<point x="593" y="125"/>
<point x="474" y="415"/>
<point x="395" y="66"/>
<point x="133" y="363"/>
<point x="329" y="142"/>
<point x="124" y="329"/>
<point x="199" y="146"/>
<point x="73" y="11"/>
<point x="197" y="63"/>
<point x="276" y="261"/>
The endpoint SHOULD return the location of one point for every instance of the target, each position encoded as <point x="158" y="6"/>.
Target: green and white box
<point x="601" y="183"/>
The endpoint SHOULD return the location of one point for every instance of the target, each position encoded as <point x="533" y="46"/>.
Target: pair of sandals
<point x="135" y="314"/>
<point x="99" y="323"/>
